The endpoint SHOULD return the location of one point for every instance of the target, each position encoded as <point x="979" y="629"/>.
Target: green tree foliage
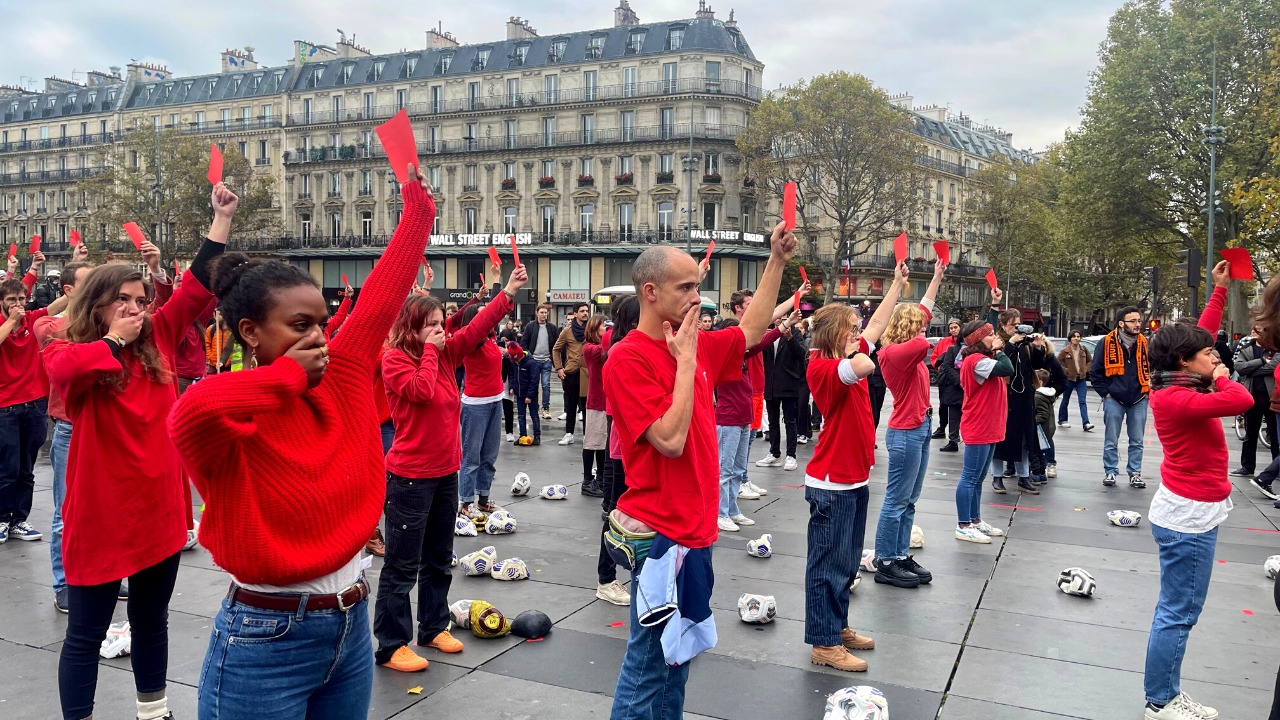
<point x="1258" y="197"/>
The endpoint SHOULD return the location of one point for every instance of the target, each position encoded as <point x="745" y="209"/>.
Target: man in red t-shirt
<point x="24" y="388"/>
<point x="659" y="383"/>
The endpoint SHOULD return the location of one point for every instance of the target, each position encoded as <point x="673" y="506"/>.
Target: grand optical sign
<point x="730" y="235"/>
<point x="480" y="240"/>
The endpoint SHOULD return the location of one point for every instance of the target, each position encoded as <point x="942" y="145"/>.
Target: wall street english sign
<point x="480" y="240"/>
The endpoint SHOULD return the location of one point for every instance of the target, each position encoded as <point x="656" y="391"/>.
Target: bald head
<point x="666" y="282"/>
<point x="654" y="266"/>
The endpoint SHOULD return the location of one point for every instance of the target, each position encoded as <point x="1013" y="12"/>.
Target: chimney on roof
<point x="437" y="38"/>
<point x="8" y="92"/>
<point x="624" y="16"/>
<point x="731" y="22"/>
<point x="704" y="12"/>
<point x="901" y="100"/>
<point x="519" y="29"/>
<point x="237" y="60"/>
<point x="146" y="72"/>
<point x="1005" y="137"/>
<point x="349" y="49"/>
<point x="933" y="112"/>
<point x="55" y="85"/>
<point x="305" y="52"/>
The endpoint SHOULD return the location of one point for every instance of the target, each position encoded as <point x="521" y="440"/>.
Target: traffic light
<point x="1153" y="279"/>
<point x="1154" y="325"/>
<point x="1192" y="263"/>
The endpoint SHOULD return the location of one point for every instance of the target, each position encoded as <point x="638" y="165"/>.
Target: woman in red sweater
<point x="482" y="393"/>
<point x="115" y="373"/>
<point x="983" y="368"/>
<point x="907" y="438"/>
<point x="595" y="436"/>
<point x="288" y="459"/>
<point x="422" y="472"/>
<point x="836" y="477"/>
<point x="1191" y="391"/>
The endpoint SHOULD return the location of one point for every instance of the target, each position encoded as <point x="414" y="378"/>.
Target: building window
<point x="588" y="167"/>
<point x="629" y="81"/>
<point x="748" y="274"/>
<point x="509" y="169"/>
<point x="335" y="224"/>
<point x="337" y="107"/>
<point x="635" y="42"/>
<point x="588" y="129"/>
<point x="304" y="227"/>
<point x="437" y="99"/>
<point x="589" y="85"/>
<point x="548" y="220"/>
<point x="366" y="224"/>
<point x="667" y="123"/>
<point x="366" y="182"/>
<point x="473" y="96"/>
<point x="402" y="98"/>
<point x="244" y="150"/>
<point x="666" y="163"/>
<point x="713" y="76"/>
<point x="938" y="225"/>
<point x="305" y="188"/>
<point x="410" y="65"/>
<point x="553" y="88"/>
<point x="513" y="91"/>
<point x="571" y="274"/>
<point x="747" y="80"/>
<point x="556" y="53"/>
<point x="675" y="38"/>
<point x="433" y="139"/>
<point x="471" y="176"/>
<point x="670" y="77"/>
<point x="446" y="60"/>
<point x="433" y="176"/>
<point x="522" y="52"/>
<point x="472" y="220"/>
<point x="712" y="115"/>
<point x="709" y="216"/>
<point x="587" y="220"/>
<point x="711" y="163"/>
<point x="626" y="218"/>
<point x="595" y="47"/>
<point x="548" y="131"/>
<point x="473" y="135"/>
<point x="335" y="184"/>
<point x="628" y="123"/>
<point x="508" y="220"/>
<point x="511" y="136"/>
<point x="666" y="216"/>
<point x="378" y="67"/>
<point x="482" y="60"/>
<point x="624" y="164"/>
<point x="617" y="271"/>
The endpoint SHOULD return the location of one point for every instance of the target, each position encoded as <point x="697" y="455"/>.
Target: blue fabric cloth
<point x="837" y="529"/>
<point x="1081" y="390"/>
<point x="648" y="687"/>
<point x="977" y="458"/>
<point x="1134" y="418"/>
<point x="58" y="450"/>
<point x="908" y="461"/>
<point x="675" y="589"/>
<point x="1186" y="564"/>
<point x="735" y="443"/>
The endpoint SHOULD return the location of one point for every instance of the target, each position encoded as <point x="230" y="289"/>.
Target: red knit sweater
<point x="483" y="365"/>
<point x="293" y="479"/>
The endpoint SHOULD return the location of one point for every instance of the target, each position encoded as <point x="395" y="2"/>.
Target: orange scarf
<point x="1113" y="358"/>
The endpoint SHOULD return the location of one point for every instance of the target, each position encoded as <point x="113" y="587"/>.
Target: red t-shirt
<point x="679" y="497"/>
<point x="907" y="377"/>
<point x="846" y="448"/>
<point x="986" y="405"/>
<point x="483" y="367"/>
<point x="22" y="375"/>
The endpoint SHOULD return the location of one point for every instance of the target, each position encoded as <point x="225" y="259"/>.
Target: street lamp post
<point x="395" y="201"/>
<point x="690" y="164"/>
<point x="1213" y="138"/>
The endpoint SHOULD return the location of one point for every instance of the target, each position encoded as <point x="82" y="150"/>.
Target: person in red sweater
<point x="595" y="429"/>
<point x="1191" y="391"/>
<point x="983" y="369"/>
<point x="836" y="476"/>
<point x="114" y="369"/>
<point x="481" y="412"/>
<point x="659" y="381"/>
<point x="945" y="411"/>
<point x="289" y="462"/>
<point x="24" y="388"/>
<point x="422" y="470"/>
<point x="626" y="315"/>
<point x="907" y="438"/>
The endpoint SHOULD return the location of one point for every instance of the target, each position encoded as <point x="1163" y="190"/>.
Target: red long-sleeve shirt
<point x="483" y="367"/>
<point x="339" y="317"/>
<point x="22" y="375"/>
<point x="120" y="456"/>
<point x="191" y="359"/>
<point x="293" y="477"/>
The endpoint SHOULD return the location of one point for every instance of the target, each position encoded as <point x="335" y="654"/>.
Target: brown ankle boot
<point x="854" y="641"/>
<point x="838" y="658"/>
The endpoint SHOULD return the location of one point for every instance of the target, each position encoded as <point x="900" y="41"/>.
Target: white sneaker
<point x="756" y="488"/>
<point x="1064" y="424"/>
<point x="566" y="440"/>
<point x="118" y="641"/>
<point x="727" y="525"/>
<point x="193" y="537"/>
<point x="790" y="464"/>
<point x="857" y="580"/>
<point x="511" y="437"/>
<point x="1051" y="471"/>
<point x="769" y="461"/>
<point x="563" y="416"/>
<point x="1181" y="707"/>
<point x="742" y="519"/>
<point x="989" y="530"/>
<point x="614" y="593"/>
<point x="746" y="493"/>
<point x="972" y="534"/>
<point x="802" y="440"/>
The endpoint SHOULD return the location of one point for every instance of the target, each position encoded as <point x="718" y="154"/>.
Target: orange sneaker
<point x="444" y="642"/>
<point x="406" y="660"/>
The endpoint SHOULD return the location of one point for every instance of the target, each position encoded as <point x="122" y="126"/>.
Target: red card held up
<point x="493" y="257"/>
<point x="482" y="283"/>
<point x="795" y="301"/>
<point x="135" y="234"/>
<point x="396" y="135"/>
<point x="804" y="276"/>
<point x="13" y="250"/>
<point x="35" y="244"/>
<point x="177" y="270"/>
<point x="515" y="254"/>
<point x="900" y="249"/>
<point x="1241" y="262"/>
<point x="215" y="165"/>
<point x="991" y="278"/>
<point x="75" y="238"/>
<point x="344" y="281"/>
<point x="710" y="249"/>
<point x="789" y="206"/>
<point x="943" y="250"/>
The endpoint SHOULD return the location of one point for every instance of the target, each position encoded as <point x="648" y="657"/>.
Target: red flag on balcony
<point x="789" y="206"/>
<point x="215" y="165"/>
<point x="943" y="251"/>
<point x="396" y="135"/>
<point x="900" y="249"/>
<point x="35" y="244"/>
<point x="135" y="234"/>
<point x="1241" y="262"/>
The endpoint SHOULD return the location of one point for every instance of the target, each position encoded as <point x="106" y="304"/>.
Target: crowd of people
<point x="303" y="434"/>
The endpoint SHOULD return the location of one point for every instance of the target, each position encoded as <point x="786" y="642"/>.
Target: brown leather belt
<point x="288" y="602"/>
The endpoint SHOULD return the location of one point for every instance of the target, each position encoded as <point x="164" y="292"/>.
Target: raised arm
<point x="192" y="297"/>
<point x="931" y="292"/>
<point x="388" y="285"/>
<point x="757" y="317"/>
<point x="488" y="318"/>
<point x="335" y="322"/>
<point x="1211" y="318"/>
<point x="880" y="319"/>
<point x="223" y="408"/>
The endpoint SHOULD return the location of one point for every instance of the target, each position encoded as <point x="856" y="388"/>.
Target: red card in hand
<point x="900" y="249"/>
<point x="789" y="206"/>
<point x="35" y="244"/>
<point x="482" y="284"/>
<point x="135" y="234"/>
<point x="396" y="135"/>
<point x="75" y="238"/>
<point x="1241" y="263"/>
<point x="344" y="281"/>
<point x="710" y="249"/>
<point x="177" y="270"/>
<point x="515" y="254"/>
<point x="493" y="257"/>
<point x="991" y="278"/>
<point x="804" y="276"/>
<point x="943" y="250"/>
<point x="215" y="165"/>
<point x="795" y="301"/>
<point x="13" y="250"/>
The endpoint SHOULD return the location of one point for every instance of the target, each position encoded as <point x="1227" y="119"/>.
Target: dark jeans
<point x="532" y="408"/>
<point x="571" y="401"/>
<point x="949" y="420"/>
<point x="508" y="414"/>
<point x="876" y="390"/>
<point x="790" y="408"/>
<point x="419" y="538"/>
<point x="614" y="486"/>
<point x="804" y="421"/>
<point x="1275" y="696"/>
<point x="388" y="432"/>
<point x="837" y="526"/>
<point x="1253" y="418"/>
<point x="91" y="608"/>
<point x="23" y="429"/>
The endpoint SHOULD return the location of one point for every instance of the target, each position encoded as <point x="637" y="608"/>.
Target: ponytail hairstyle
<point x="626" y="316"/>
<point x="978" y="347"/>
<point x="245" y="288"/>
<point x="85" y="322"/>
<point x="415" y="312"/>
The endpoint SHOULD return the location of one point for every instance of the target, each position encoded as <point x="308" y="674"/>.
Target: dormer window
<point x="377" y="69"/>
<point x="186" y="88"/>
<point x="212" y="84"/>
<point x="93" y="97"/>
<point x="315" y="77"/>
<point x="635" y="42"/>
<point x="235" y="84"/>
<point x="675" y="37"/>
<point x="556" y="53"/>
<point x="442" y="66"/>
<point x="279" y="78"/>
<point x="595" y="47"/>
<point x="481" y="60"/>
<point x="254" y="83"/>
<point x="51" y="102"/>
<point x="346" y="73"/>
<point x="522" y="52"/>
<point x="410" y="65"/>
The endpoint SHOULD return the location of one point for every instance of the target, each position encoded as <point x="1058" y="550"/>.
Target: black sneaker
<point x="1109" y="480"/>
<point x="60" y="601"/>
<point x="938" y="434"/>
<point x="592" y="489"/>
<point x="537" y="439"/>
<point x="1025" y="485"/>
<point x="997" y="485"/>
<point x="1241" y="472"/>
<point x="950" y="447"/>
<point x="1039" y="480"/>
<point x="1136" y="482"/>
<point x="1264" y="487"/>
<point x="123" y="592"/>
<point x="894" y="574"/>
<point x="913" y="567"/>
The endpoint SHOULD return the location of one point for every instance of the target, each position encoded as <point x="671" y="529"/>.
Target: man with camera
<point x="1020" y="437"/>
<point x="1121" y="374"/>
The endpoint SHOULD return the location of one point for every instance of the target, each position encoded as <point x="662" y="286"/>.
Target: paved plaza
<point x="991" y="638"/>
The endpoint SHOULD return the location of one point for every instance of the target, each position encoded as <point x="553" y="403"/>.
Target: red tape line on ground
<point x="791" y="487"/>
<point x="1265" y="530"/>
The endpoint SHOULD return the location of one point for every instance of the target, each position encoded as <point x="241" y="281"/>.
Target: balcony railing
<point x="946" y="167"/>
<point x="39" y="176"/>
<point x="61" y="142"/>
<point x="217" y="126"/>
<point x="566" y="238"/>
<point x="596" y="93"/>
<point x="702" y="131"/>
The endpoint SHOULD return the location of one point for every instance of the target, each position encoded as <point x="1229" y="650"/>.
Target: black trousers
<point x="1275" y="697"/>
<point x="949" y="415"/>
<point x="804" y="421"/>
<point x="91" y="609"/>
<point x="606" y="568"/>
<point x="509" y="414"/>
<point x="419" y="519"/>
<point x="789" y="408"/>
<point x="571" y="400"/>
<point x="876" y="390"/>
<point x="1253" y="419"/>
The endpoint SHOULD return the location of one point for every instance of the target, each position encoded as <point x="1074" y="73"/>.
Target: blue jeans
<point x="977" y="458"/>
<point x="58" y="458"/>
<point x="648" y="688"/>
<point x="908" y="460"/>
<point x="388" y="432"/>
<point x="837" y="527"/>
<point x="288" y="665"/>
<point x="1022" y="466"/>
<point x="1135" y="421"/>
<point x="23" y="428"/>
<point x="545" y="375"/>
<point x="1081" y="390"/>
<point x="1186" y="563"/>
<point x="481" y="436"/>
<point x="735" y="443"/>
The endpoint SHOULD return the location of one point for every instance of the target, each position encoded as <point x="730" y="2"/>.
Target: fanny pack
<point x="626" y="547"/>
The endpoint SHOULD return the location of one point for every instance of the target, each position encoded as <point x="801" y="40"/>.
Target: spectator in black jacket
<point x="784" y="380"/>
<point x="538" y="338"/>
<point x="1256" y="367"/>
<point x="951" y="394"/>
<point x="47" y="292"/>
<point x="1121" y="375"/>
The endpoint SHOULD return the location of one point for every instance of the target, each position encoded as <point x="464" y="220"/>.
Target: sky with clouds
<point x="1023" y="66"/>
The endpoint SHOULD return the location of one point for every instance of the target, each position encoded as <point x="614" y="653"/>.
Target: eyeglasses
<point x="1136" y="321"/>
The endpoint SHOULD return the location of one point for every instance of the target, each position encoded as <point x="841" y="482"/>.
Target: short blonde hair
<point x="830" y="324"/>
<point x="905" y="323"/>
